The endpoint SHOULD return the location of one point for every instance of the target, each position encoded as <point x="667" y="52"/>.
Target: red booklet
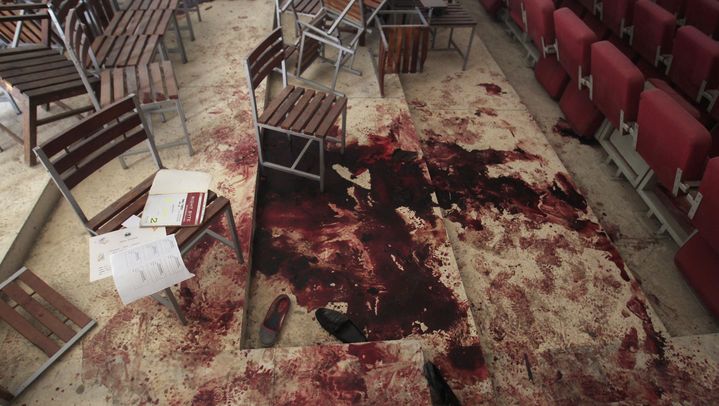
<point x="176" y="198"/>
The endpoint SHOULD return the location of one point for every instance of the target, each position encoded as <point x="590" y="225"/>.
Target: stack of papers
<point x="176" y="198"/>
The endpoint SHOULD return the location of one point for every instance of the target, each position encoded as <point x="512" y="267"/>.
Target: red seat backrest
<point x="703" y="14"/>
<point x="515" y="11"/>
<point x="573" y="41"/>
<point x="616" y="14"/>
<point x="616" y="83"/>
<point x="706" y="219"/>
<point x="695" y="59"/>
<point x="670" y="138"/>
<point x="540" y="22"/>
<point x="675" y="7"/>
<point x="653" y="29"/>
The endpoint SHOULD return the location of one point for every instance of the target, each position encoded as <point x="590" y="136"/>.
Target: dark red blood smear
<point x="371" y="354"/>
<point x="468" y="360"/>
<point x="654" y="343"/>
<point x="370" y="258"/>
<point x="565" y="130"/>
<point x="628" y="349"/>
<point x="491" y="89"/>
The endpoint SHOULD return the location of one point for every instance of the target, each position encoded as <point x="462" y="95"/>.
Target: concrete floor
<point x="619" y="209"/>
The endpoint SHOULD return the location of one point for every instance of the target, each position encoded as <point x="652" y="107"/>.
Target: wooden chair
<point x="335" y="18"/>
<point x="106" y="21"/>
<point x="75" y="154"/>
<point x="453" y="17"/>
<point x="186" y="6"/>
<point x="403" y="43"/>
<point x="52" y="324"/>
<point x="296" y="111"/>
<point x="155" y="83"/>
<point x="35" y="75"/>
<point x="298" y="7"/>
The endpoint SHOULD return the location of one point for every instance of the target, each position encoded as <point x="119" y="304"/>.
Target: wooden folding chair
<point x="296" y="111"/>
<point x="44" y="317"/>
<point x="339" y="16"/>
<point x="75" y="154"/>
<point x="154" y="83"/>
<point x="36" y="75"/>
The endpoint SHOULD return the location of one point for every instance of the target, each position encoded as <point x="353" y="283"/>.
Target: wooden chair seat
<point x="304" y="111"/>
<point x="132" y="203"/>
<point x="40" y="73"/>
<point x="308" y="7"/>
<point x="152" y="83"/>
<point x="125" y="50"/>
<point x="140" y="22"/>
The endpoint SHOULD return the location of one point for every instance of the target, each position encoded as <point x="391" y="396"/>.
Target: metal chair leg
<point x="183" y="121"/>
<point x="178" y="36"/>
<point x="189" y="23"/>
<point x="233" y="234"/>
<point x="199" y="16"/>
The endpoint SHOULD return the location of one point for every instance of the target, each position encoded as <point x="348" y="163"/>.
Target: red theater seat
<point x="676" y="7"/>
<point x="574" y="40"/>
<point x="573" y="5"/>
<point x="540" y="28"/>
<point x="653" y="30"/>
<point x="616" y="83"/>
<point x="617" y="14"/>
<point x="551" y="76"/>
<point x="670" y="139"/>
<point x="695" y="62"/>
<point x="703" y="14"/>
<point x="698" y="258"/>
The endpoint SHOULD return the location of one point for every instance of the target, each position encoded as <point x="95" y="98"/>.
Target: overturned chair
<point x="75" y="154"/>
<point x="297" y="112"/>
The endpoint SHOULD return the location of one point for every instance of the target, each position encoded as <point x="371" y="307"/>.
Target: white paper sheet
<point x="170" y="181"/>
<point x="103" y="246"/>
<point x="132" y="222"/>
<point x="148" y="268"/>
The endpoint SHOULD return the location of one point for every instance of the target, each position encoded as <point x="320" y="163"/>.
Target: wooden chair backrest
<point x="79" y="151"/>
<point x="268" y="55"/>
<point x="62" y="8"/>
<point x="36" y="24"/>
<point x="355" y="14"/>
<point x="79" y="37"/>
<point x="401" y="50"/>
<point x="102" y="12"/>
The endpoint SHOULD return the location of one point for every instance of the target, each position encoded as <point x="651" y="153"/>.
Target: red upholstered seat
<point x="617" y="14"/>
<point x="616" y="83"/>
<point x="580" y="112"/>
<point x="540" y="22"/>
<point x="551" y="76"/>
<point x="669" y="138"/>
<point x="681" y="100"/>
<point x="676" y="7"/>
<point x="698" y="258"/>
<point x="703" y="14"/>
<point x="653" y="30"/>
<point x="573" y="41"/>
<point x="695" y="59"/>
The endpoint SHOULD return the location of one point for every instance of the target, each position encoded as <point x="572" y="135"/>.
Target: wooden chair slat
<point x="124" y="55"/>
<point x="164" y="22"/>
<point x="9" y="75"/>
<point x="87" y="126"/>
<point x="55" y="299"/>
<point x="331" y="117"/>
<point x="56" y="80"/>
<point x="149" y="50"/>
<point x="19" y="80"/>
<point x="40" y="53"/>
<point x="16" y="321"/>
<point x="273" y="63"/>
<point x="134" y="207"/>
<point x="275" y="103"/>
<point x="96" y="142"/>
<point x="106" y="91"/>
<point x="144" y="91"/>
<point x="265" y="57"/>
<point x="111" y="153"/>
<point x="302" y="104"/>
<point x="311" y="127"/>
<point x="118" y="83"/>
<point x="266" y="43"/>
<point x="57" y="89"/>
<point x="158" y="84"/>
<point x="309" y="112"/>
<point x="137" y="52"/>
<point x="111" y="211"/>
<point x="286" y="106"/>
<point x="38" y="311"/>
<point x="25" y="63"/>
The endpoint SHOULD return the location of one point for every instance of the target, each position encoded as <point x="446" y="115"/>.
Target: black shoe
<point x="441" y="392"/>
<point x="340" y="326"/>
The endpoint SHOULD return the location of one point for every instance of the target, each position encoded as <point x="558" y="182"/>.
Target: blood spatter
<point x="491" y="89"/>
<point x="654" y="342"/>
<point x="353" y="245"/>
<point x="485" y="111"/>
